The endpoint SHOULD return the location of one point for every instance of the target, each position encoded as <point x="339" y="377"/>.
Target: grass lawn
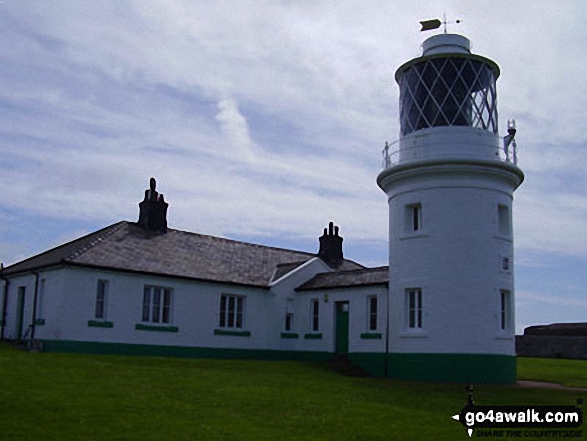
<point x="90" y="397"/>
<point x="572" y="373"/>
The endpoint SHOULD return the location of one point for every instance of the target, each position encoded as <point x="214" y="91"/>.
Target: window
<point x="505" y="318"/>
<point x="372" y="305"/>
<point x="231" y="311"/>
<point x="413" y="218"/>
<point x="101" y="292"/>
<point x="414" y="308"/>
<point x="156" y="304"/>
<point x="505" y="263"/>
<point x="315" y="313"/>
<point x="503" y="220"/>
<point x="289" y="315"/>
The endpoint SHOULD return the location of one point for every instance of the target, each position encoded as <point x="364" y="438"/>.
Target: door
<point x="20" y="312"/>
<point x="342" y="327"/>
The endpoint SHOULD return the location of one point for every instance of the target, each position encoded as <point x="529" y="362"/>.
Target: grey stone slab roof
<point x="125" y="246"/>
<point x="283" y="268"/>
<point x="346" y="279"/>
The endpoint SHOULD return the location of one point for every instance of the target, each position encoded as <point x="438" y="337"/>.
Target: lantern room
<point x="447" y="86"/>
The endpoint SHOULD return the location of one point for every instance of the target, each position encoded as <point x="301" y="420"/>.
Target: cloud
<point x="235" y="130"/>
<point x="267" y="117"/>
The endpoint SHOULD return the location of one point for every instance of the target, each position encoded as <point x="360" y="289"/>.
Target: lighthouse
<point x="450" y="181"/>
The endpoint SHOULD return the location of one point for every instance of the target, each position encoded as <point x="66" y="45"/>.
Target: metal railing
<point x="394" y="155"/>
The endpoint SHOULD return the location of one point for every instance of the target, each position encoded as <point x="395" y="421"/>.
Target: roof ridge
<point x="105" y="233"/>
<point x="292" y="263"/>
<point x="243" y="242"/>
<point x="364" y="269"/>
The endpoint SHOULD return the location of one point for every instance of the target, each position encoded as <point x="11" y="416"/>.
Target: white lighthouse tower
<point x="450" y="185"/>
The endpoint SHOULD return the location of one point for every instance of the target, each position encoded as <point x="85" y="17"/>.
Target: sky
<point x="264" y="120"/>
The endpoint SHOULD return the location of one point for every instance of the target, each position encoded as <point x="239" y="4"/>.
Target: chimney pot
<point x="153" y="210"/>
<point x="331" y="246"/>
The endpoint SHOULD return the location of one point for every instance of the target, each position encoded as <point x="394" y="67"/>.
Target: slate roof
<point x="282" y="269"/>
<point x="347" y="279"/>
<point x="128" y="247"/>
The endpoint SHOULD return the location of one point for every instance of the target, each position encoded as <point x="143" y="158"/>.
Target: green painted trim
<point x="142" y="327"/>
<point x="290" y="335"/>
<point x="454" y="368"/>
<point x="39" y="322"/>
<point x="100" y="324"/>
<point x="371" y="336"/>
<point x="233" y="333"/>
<point x="371" y="362"/>
<point x="467" y="368"/>
<point x="91" y="347"/>
<point x="313" y="336"/>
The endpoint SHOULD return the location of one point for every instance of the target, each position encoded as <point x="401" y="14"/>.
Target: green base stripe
<point x="454" y="368"/>
<point x="289" y="335"/>
<point x="313" y="336"/>
<point x="371" y="362"/>
<point x="39" y="322"/>
<point x="142" y="327"/>
<point x="100" y="324"/>
<point x="89" y="347"/>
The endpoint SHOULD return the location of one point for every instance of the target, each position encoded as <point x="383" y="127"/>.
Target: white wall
<point x="53" y="280"/>
<point x="70" y="299"/>
<point x="358" y="318"/>
<point x="455" y="259"/>
<point x="195" y="311"/>
<point x="282" y="290"/>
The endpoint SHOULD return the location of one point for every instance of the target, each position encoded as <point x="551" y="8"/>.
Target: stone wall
<point x="551" y="346"/>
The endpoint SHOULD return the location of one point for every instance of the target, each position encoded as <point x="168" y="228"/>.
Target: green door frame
<point x="20" y="312"/>
<point x="342" y="327"/>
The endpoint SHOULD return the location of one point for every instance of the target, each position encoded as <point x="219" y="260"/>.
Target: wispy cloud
<point x="235" y="129"/>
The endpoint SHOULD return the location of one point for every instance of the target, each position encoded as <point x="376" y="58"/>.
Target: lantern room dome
<point x="446" y="43"/>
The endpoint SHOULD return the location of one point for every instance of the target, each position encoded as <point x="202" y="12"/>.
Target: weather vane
<point x="428" y="25"/>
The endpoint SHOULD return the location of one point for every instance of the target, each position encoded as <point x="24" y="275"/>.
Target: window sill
<point x="502" y="237"/>
<point x="413" y="334"/>
<point x="313" y="336"/>
<point x="414" y="235"/>
<point x="100" y="324"/>
<point x="504" y="337"/>
<point x="39" y="322"/>
<point x="233" y="333"/>
<point x="289" y="335"/>
<point x="142" y="327"/>
<point x="371" y="336"/>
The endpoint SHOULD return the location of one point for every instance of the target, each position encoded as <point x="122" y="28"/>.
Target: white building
<point x="142" y="288"/>
<point x="447" y="315"/>
<point x="450" y="190"/>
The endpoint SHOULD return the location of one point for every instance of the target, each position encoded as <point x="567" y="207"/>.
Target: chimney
<point x="331" y="247"/>
<point x="153" y="210"/>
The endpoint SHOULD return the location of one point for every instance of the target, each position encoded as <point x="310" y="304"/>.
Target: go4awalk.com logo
<point x="521" y="421"/>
